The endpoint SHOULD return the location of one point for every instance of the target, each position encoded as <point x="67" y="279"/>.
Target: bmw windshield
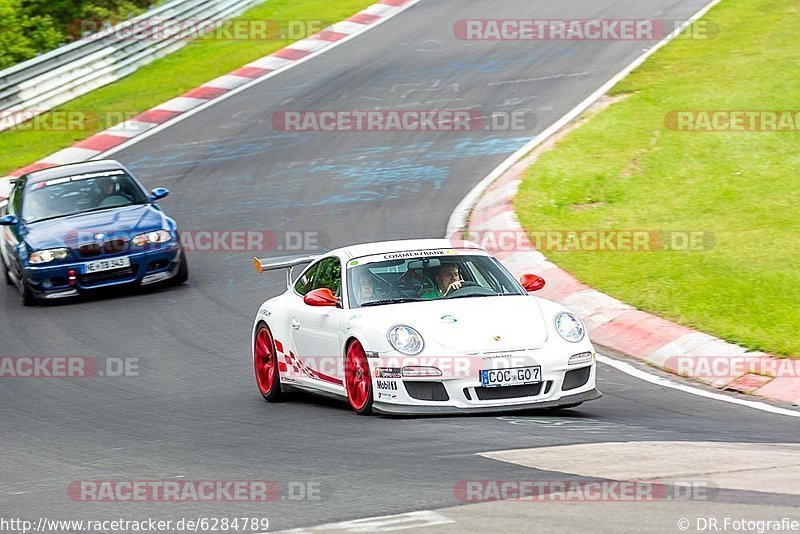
<point x="449" y="276"/>
<point x="71" y="195"/>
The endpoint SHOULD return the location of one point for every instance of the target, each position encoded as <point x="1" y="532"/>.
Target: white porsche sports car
<point x="419" y="326"/>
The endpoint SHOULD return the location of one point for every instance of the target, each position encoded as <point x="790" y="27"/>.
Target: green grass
<point x="198" y="62"/>
<point x="625" y="170"/>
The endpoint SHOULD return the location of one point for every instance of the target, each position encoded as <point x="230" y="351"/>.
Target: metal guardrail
<point x="51" y="79"/>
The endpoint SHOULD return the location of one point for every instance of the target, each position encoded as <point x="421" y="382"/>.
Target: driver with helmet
<point x="447" y="279"/>
<point x="106" y="193"/>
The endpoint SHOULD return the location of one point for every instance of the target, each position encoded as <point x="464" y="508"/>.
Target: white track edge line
<point x="629" y="369"/>
<point x="458" y="219"/>
<point x="249" y="84"/>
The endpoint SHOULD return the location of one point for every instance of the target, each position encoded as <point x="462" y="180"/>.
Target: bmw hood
<point x="474" y="325"/>
<point x="77" y="229"/>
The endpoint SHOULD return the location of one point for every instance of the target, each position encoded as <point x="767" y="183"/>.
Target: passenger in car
<point x="364" y="289"/>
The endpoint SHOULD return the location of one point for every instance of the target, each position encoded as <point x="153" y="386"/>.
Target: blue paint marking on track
<point x="363" y="175"/>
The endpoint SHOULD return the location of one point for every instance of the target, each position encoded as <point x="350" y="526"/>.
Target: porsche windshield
<point x="71" y="195"/>
<point x="449" y="276"/>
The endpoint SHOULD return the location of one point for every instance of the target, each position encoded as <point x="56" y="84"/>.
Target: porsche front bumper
<point x="422" y="409"/>
<point x="561" y="384"/>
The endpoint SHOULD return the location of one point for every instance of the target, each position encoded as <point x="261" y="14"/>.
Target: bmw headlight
<point x="569" y="327"/>
<point x="151" y="238"/>
<point x="405" y="339"/>
<point x="46" y="256"/>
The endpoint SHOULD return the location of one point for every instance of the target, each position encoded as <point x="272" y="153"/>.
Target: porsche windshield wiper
<point x="390" y="301"/>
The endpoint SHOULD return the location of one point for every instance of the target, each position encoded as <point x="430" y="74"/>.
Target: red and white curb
<point x="624" y="329"/>
<point x="170" y="111"/>
<point x="611" y="323"/>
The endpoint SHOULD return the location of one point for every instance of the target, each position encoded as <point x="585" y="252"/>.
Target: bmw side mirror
<point x="8" y="220"/>
<point x="158" y="193"/>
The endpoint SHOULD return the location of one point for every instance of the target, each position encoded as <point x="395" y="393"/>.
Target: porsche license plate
<point x="106" y="265"/>
<point x="515" y="376"/>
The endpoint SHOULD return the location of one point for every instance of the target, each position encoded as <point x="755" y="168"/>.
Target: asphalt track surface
<point x="196" y="413"/>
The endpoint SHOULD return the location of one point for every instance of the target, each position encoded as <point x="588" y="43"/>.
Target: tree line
<point x="31" y="27"/>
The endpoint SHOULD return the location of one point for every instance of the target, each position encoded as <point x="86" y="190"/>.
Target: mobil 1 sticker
<point x="387" y="385"/>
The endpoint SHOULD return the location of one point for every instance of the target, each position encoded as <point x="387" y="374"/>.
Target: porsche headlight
<point x="46" y="256"/>
<point x="151" y="238"/>
<point x="405" y="339"/>
<point x="569" y="327"/>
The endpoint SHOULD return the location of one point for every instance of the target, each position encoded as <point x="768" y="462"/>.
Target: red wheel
<point x="266" y="364"/>
<point x="357" y="379"/>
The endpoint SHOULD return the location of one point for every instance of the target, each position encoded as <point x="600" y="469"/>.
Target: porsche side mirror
<point x="531" y="282"/>
<point x="8" y="220"/>
<point x="320" y="297"/>
<point x="158" y="193"/>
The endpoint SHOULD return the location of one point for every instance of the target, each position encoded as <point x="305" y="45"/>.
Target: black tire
<point x="6" y="275"/>
<point x="26" y="294"/>
<point x="182" y="276"/>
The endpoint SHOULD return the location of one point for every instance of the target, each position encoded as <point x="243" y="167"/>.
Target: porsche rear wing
<point x="284" y="262"/>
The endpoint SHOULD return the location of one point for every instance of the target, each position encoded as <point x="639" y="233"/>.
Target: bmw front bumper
<point x="146" y="267"/>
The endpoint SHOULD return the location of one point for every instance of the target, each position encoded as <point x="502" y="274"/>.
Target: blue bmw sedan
<point x="83" y="227"/>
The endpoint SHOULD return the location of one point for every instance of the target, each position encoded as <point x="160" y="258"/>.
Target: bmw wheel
<point x="25" y="293"/>
<point x="6" y="275"/>
<point x="182" y="275"/>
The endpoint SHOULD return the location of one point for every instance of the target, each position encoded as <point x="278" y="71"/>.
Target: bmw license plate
<point x="106" y="265"/>
<point x="515" y="376"/>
